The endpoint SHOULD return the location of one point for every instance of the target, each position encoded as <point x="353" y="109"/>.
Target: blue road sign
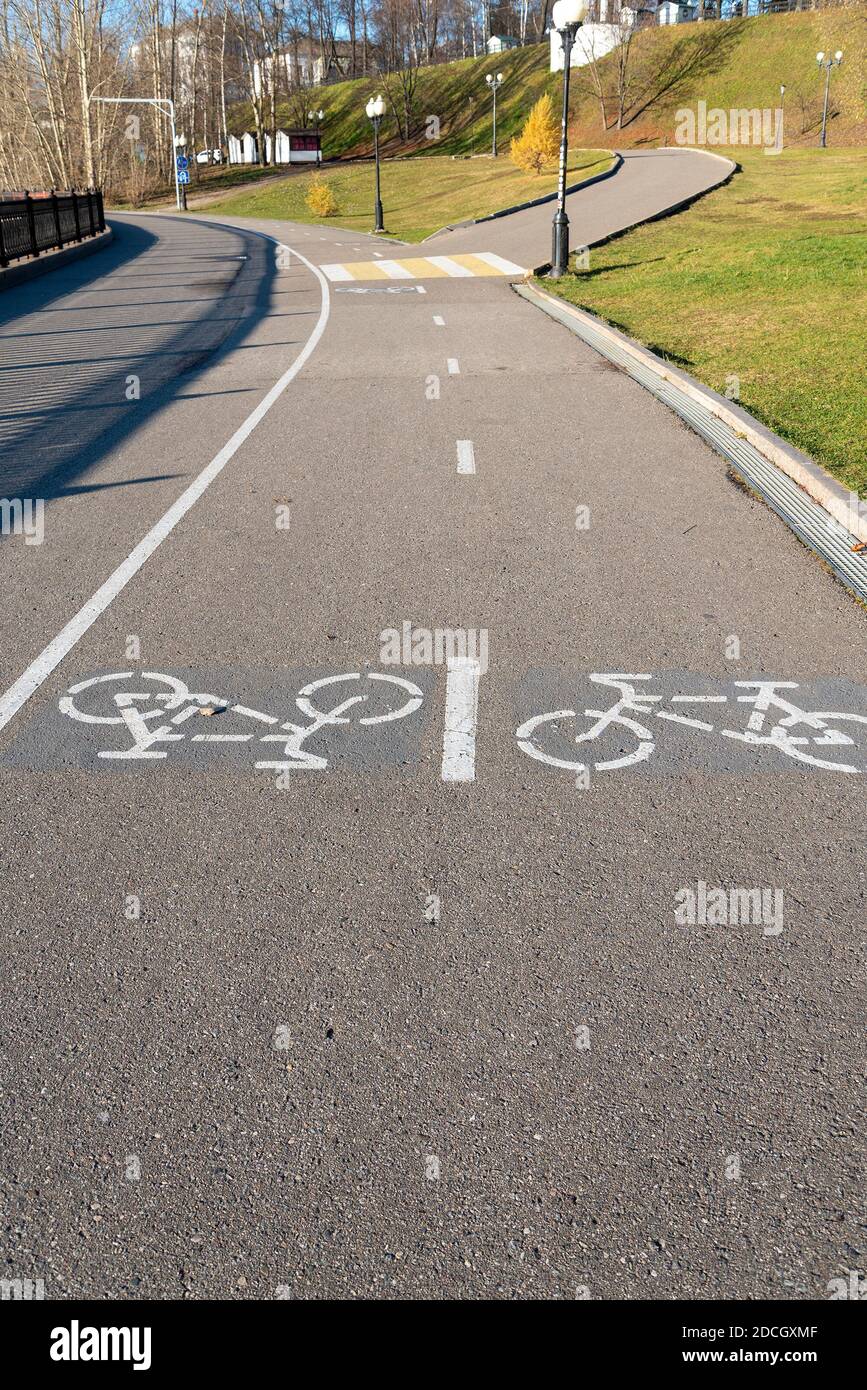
<point x="183" y="163"/>
<point x="183" y="176"/>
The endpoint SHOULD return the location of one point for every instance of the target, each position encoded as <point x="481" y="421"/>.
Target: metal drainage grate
<point x="811" y="523"/>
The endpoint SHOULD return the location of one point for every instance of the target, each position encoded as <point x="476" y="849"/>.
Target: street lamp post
<point x="159" y="103"/>
<point x="567" y="17"/>
<point x="827" y="63"/>
<point x="494" y="83"/>
<point x="317" y="116"/>
<point x="375" y="109"/>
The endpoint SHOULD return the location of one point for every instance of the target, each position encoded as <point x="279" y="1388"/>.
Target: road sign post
<point x="161" y="103"/>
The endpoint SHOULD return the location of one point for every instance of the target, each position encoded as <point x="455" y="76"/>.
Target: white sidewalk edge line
<point x="39" y="669"/>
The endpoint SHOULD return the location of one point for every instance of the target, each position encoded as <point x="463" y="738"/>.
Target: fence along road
<point x="36" y="222"/>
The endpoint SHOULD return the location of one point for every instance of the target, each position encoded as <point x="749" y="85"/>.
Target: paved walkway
<point x="647" y="183"/>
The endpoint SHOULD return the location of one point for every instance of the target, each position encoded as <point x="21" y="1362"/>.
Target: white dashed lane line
<point x="466" y="456"/>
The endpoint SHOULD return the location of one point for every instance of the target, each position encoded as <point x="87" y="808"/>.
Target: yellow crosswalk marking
<point x="477" y="266"/>
<point x="366" y="270"/>
<point x="461" y="266"/>
<point x="422" y="267"/>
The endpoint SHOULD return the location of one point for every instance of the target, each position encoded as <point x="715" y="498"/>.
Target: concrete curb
<point x="616" y="166"/>
<point x="53" y="260"/>
<point x="809" y="475"/>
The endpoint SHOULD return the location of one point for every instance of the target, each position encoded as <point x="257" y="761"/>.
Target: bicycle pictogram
<point x="774" y="722"/>
<point x="335" y="717"/>
<point x="155" y="708"/>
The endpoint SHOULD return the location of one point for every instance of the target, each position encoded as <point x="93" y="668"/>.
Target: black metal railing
<point x="35" y="222"/>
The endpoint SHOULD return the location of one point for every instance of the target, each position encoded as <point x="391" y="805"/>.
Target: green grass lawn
<point x="764" y="279"/>
<point x="418" y="196"/>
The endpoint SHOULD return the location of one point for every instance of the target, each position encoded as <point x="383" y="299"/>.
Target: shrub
<point x="539" y="141"/>
<point x="320" y="199"/>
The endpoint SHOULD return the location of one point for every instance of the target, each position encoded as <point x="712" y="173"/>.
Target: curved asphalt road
<point x="363" y="1031"/>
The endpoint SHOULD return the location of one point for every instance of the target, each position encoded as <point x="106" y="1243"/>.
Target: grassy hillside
<point x="456" y="93"/>
<point x="419" y="197"/>
<point x="762" y="280"/>
<point x="739" y="63"/>
<point x="735" y="63"/>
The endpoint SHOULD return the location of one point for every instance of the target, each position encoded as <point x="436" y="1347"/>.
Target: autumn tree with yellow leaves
<point x="538" y="144"/>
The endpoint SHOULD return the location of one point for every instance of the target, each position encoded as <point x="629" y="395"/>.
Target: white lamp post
<point x="567" y="17"/>
<point x="375" y="109"/>
<point x="827" y="62"/>
<point x="494" y="83"/>
<point x="317" y="116"/>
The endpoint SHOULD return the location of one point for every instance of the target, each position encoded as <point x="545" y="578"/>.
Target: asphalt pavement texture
<point x="336" y="1027"/>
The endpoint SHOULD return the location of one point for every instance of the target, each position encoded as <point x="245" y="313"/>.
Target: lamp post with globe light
<point x="827" y="62"/>
<point x="567" y="17"/>
<point x="375" y="109"/>
<point x="494" y="83"/>
<point x="318" y="117"/>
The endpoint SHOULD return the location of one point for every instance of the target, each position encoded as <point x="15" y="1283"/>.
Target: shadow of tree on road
<point x="64" y="402"/>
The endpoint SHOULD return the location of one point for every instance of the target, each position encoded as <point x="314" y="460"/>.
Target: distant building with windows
<point x="290" y="147"/>
<point x="500" y="43"/>
<point x="606" y="20"/>
<point x="305" y="64"/>
<point x="670" y="12"/>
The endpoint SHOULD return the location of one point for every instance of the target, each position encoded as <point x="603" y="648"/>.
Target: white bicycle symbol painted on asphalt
<point x="153" y="715"/>
<point x="771" y="721"/>
<point x="155" y="709"/>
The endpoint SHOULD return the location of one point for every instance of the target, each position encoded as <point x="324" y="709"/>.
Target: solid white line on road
<point x="38" y="670"/>
<point x="395" y="271"/>
<point x="466" y="456"/>
<point x="461" y="716"/>
<point x="439" y="321"/>
<point x="457" y="272"/>
<point x="492" y="259"/>
<point x="454" y="366"/>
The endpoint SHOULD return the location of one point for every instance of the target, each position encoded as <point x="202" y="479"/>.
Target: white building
<point x="500" y="43"/>
<point x="599" y="37"/>
<point x="295" y="147"/>
<point x="670" y="12"/>
<point x="243" y="150"/>
<point x="290" y="147"/>
<point x="306" y="64"/>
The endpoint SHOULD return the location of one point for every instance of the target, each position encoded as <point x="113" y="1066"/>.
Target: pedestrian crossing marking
<point x="458" y="267"/>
